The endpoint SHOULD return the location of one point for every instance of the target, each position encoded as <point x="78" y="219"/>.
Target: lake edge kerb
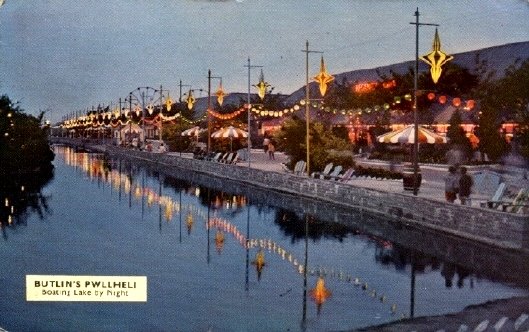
<point x="496" y="228"/>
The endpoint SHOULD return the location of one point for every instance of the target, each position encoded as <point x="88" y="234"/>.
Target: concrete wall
<point x="505" y="230"/>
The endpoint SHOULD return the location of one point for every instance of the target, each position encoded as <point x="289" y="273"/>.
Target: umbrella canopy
<point x="230" y="132"/>
<point x="195" y="131"/>
<point x="407" y="135"/>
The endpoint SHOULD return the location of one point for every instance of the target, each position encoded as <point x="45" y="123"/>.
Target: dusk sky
<point x="68" y="55"/>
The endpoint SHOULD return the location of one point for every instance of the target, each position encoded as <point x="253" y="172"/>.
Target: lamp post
<point x="249" y="66"/>
<point x="142" y="94"/>
<point x="209" y="106"/>
<point x="415" y="155"/>
<point x="323" y="78"/>
<point x="168" y="106"/>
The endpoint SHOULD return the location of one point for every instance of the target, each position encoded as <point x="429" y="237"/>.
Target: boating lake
<point x="221" y="256"/>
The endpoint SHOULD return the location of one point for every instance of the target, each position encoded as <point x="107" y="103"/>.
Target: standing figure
<point x="451" y="185"/>
<point x="271" y="150"/>
<point x="266" y="142"/>
<point x="465" y="186"/>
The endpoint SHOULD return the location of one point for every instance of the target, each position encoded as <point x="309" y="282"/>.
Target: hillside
<point x="496" y="59"/>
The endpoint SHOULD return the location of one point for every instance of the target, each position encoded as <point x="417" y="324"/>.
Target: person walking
<point x="451" y="184"/>
<point x="465" y="186"/>
<point x="271" y="150"/>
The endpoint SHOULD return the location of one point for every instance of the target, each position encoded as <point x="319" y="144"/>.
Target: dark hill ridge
<point x="496" y="59"/>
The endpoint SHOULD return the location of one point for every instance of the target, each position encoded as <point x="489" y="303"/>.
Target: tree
<point x="24" y="146"/>
<point x="505" y="100"/>
<point x="456" y="135"/>
<point x="292" y="140"/>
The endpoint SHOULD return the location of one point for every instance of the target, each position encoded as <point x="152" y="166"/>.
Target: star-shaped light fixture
<point x="220" y="94"/>
<point x="436" y="58"/>
<point x="190" y="100"/>
<point x="150" y="109"/>
<point x="168" y="104"/>
<point x="323" y="78"/>
<point x="261" y="86"/>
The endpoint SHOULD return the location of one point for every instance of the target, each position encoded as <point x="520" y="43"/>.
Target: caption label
<point x="86" y="288"/>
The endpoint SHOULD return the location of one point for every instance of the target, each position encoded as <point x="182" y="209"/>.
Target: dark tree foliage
<point x="456" y="134"/>
<point x="505" y="100"/>
<point x="24" y="146"/>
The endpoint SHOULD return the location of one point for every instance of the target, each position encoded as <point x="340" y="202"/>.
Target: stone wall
<point x="505" y="230"/>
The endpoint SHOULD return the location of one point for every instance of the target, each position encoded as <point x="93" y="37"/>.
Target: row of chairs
<point x="328" y="173"/>
<point x="226" y="157"/>
<point x="500" y="200"/>
<point x="331" y="172"/>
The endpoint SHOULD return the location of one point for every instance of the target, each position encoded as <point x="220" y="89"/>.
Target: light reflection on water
<point x="224" y="261"/>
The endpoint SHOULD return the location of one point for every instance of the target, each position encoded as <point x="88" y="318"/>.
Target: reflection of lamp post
<point x="323" y="78"/>
<point x="249" y="66"/>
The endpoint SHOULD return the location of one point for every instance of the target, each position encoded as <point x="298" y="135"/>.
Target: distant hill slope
<point x="496" y="58"/>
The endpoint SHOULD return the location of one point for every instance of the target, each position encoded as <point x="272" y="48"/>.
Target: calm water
<point x="113" y="218"/>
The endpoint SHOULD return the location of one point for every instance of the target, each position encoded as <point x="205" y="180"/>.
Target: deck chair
<point x="235" y="158"/>
<point x="323" y="173"/>
<point x="217" y="156"/>
<point x="223" y="157"/>
<point x="345" y="177"/>
<point x="227" y="158"/>
<point x="496" y="199"/>
<point x="300" y="167"/>
<point x="520" y="201"/>
<point x="335" y="174"/>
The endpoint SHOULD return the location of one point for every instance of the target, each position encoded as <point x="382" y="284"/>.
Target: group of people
<point x="458" y="183"/>
<point x="269" y="147"/>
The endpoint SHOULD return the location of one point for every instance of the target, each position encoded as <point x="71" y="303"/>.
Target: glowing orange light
<point x="219" y="240"/>
<point x="189" y="223"/>
<point x="431" y="96"/>
<point x="320" y="294"/>
<point x="389" y="84"/>
<point x="456" y="102"/>
<point x="323" y="78"/>
<point x="442" y="99"/>
<point x="470" y="104"/>
<point x="364" y="87"/>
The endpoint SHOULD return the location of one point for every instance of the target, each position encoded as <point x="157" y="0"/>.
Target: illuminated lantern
<point x="386" y="106"/>
<point x="168" y="104"/>
<point x="442" y="99"/>
<point x="397" y="100"/>
<point x="220" y="94"/>
<point x="323" y="78"/>
<point x="190" y="100"/>
<point x="470" y="104"/>
<point x="431" y="96"/>
<point x="436" y="58"/>
<point x="150" y="109"/>
<point x="456" y="102"/>
<point x="407" y="97"/>
<point x="261" y="86"/>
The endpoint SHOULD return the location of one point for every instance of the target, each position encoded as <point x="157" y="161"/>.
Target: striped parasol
<point x="195" y="131"/>
<point x="229" y="132"/>
<point x="406" y="135"/>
